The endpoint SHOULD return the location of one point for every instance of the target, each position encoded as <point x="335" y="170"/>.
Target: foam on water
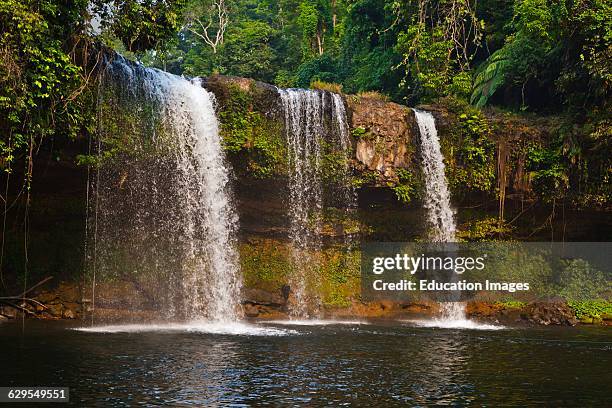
<point x="446" y="323"/>
<point x="314" y="322"/>
<point x="207" y="327"/>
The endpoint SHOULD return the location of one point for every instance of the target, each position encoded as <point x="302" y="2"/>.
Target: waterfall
<point x="164" y="217"/>
<point x="315" y="121"/>
<point x="440" y="215"/>
<point x="349" y="195"/>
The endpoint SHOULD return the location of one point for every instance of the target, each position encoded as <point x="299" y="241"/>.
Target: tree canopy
<point x="525" y="55"/>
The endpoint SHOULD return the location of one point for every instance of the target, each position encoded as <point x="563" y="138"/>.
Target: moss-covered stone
<point x="267" y="264"/>
<point x="251" y="128"/>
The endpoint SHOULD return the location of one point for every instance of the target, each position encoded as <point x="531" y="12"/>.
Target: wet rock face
<point x="550" y="313"/>
<point x="385" y="135"/>
<point x="255" y="296"/>
<point x="265" y="97"/>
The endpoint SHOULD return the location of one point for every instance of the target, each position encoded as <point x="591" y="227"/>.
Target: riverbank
<point x="67" y="302"/>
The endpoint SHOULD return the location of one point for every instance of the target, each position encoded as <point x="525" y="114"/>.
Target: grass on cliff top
<point x="326" y="86"/>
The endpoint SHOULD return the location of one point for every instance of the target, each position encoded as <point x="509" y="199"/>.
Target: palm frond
<point x="490" y="78"/>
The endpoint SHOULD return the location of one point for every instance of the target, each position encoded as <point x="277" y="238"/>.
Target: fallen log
<point x="18" y="307"/>
<point x="10" y="300"/>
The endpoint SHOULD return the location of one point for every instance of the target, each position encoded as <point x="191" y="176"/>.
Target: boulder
<point x="55" y="310"/>
<point x="68" y="292"/>
<point x="47" y="297"/>
<point x="251" y="310"/>
<point x="68" y="314"/>
<point x="8" y="312"/>
<point x="549" y="313"/>
<point x="481" y="309"/>
<point x="262" y="297"/>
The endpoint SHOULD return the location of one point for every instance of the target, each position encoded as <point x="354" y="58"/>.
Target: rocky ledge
<point x="66" y="302"/>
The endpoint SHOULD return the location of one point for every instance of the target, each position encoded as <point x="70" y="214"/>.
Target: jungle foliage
<point x="49" y="52"/>
<point x="521" y="54"/>
<point x="544" y="57"/>
<point x="548" y="57"/>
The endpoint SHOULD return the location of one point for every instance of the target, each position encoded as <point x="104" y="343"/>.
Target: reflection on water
<point x="378" y="364"/>
<point x="443" y="377"/>
<point x="196" y="326"/>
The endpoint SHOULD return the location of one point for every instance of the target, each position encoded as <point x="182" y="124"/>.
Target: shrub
<point x="326" y="86"/>
<point x="592" y="309"/>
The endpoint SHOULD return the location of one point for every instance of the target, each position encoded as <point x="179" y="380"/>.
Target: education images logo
<point x="439" y="270"/>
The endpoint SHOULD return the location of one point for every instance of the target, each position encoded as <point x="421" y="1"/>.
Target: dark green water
<point x="380" y="364"/>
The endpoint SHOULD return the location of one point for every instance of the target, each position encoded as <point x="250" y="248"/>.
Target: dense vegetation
<point x="48" y="60"/>
<point x="523" y="54"/>
<point x="550" y="57"/>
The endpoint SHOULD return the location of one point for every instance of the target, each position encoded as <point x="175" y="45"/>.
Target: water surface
<point x="378" y="364"/>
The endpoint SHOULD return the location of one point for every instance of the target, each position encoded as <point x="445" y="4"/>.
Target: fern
<point x="490" y="78"/>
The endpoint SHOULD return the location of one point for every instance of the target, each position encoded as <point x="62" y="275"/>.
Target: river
<point x="375" y="363"/>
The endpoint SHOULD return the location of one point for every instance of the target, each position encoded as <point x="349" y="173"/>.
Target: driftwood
<point x="42" y="282"/>
<point x="13" y="301"/>
<point x="18" y="307"/>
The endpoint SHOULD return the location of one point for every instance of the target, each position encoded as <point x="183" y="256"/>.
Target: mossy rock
<point x="591" y="320"/>
<point x="268" y="264"/>
<point x="251" y="126"/>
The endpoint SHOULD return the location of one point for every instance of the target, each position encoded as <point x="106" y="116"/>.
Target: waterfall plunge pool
<point x="382" y="363"/>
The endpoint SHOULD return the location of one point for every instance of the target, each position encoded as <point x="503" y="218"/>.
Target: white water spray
<point x="440" y="215"/>
<point x="312" y="118"/>
<point x="166" y="220"/>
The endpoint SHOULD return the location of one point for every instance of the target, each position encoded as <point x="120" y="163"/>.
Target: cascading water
<point x="164" y="219"/>
<point x="349" y="195"/>
<point x="440" y="215"/>
<point x="314" y="120"/>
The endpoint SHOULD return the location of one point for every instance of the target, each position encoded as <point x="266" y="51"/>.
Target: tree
<point x="208" y="20"/>
<point x="47" y="69"/>
<point x="139" y="24"/>
<point x="557" y="52"/>
<point x="438" y="46"/>
<point x="312" y="21"/>
<point x="368" y="58"/>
